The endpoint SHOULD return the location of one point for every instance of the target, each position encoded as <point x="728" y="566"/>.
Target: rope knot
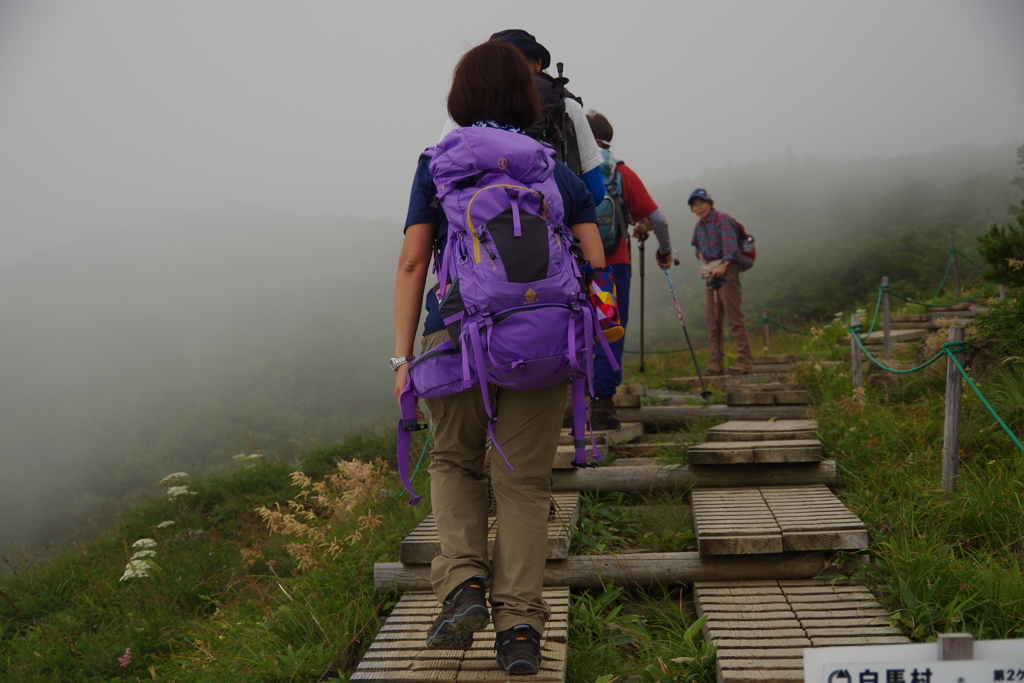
<point x="955" y="347"/>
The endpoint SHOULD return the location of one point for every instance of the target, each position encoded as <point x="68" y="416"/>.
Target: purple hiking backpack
<point x="510" y="290"/>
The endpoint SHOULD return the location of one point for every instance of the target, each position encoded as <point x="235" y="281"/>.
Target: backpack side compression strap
<point x="403" y="435"/>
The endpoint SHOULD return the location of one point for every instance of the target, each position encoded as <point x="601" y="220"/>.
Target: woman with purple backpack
<point x="493" y="99"/>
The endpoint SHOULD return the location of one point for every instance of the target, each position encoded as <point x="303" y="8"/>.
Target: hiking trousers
<point x="729" y="305"/>
<point x="528" y="427"/>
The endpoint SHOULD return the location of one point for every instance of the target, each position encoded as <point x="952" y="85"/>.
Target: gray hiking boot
<point x="463" y="612"/>
<point x="518" y="650"/>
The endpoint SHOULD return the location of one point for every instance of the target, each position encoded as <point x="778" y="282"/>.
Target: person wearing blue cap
<point x="716" y="240"/>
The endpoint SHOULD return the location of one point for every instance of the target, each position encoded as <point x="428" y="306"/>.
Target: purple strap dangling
<point x="403" y="435"/>
<point x="481" y="368"/>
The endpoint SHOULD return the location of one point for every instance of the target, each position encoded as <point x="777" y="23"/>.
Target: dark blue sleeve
<point x="576" y="197"/>
<point x="595" y="183"/>
<point x="421" y="198"/>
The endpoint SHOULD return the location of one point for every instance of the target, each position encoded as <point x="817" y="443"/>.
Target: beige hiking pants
<point x="528" y="427"/>
<point x="727" y="304"/>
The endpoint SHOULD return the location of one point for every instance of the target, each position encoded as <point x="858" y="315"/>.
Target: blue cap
<point x="525" y="43"/>
<point x="699" y="193"/>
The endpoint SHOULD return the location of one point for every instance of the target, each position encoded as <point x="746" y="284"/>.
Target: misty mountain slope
<point x="139" y="352"/>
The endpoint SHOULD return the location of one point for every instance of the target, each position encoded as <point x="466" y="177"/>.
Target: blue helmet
<point x="699" y="193"/>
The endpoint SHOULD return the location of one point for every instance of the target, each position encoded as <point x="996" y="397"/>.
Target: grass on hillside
<point x="228" y="600"/>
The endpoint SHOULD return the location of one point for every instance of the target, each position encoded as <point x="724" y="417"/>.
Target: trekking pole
<point x="640" y="246"/>
<point x="704" y="393"/>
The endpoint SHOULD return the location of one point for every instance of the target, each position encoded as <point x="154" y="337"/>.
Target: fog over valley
<point x="201" y="204"/>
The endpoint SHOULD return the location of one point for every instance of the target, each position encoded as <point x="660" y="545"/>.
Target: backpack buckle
<point x="411" y="424"/>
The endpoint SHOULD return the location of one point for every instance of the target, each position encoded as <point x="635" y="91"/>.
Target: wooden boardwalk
<point x="759" y="430"/>
<point x="760" y="628"/>
<point x="769" y="394"/>
<point x="761" y="488"/>
<point x="774" y="519"/>
<point x="398" y="653"/>
<point x="747" y="452"/>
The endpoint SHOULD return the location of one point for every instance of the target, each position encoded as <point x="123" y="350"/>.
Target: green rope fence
<point x="949" y="264"/>
<point x="962" y="301"/>
<point x="948" y="349"/>
<point x="969" y="260"/>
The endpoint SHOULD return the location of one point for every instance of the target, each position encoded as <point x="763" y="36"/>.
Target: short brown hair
<point x="493" y="82"/>
<point x="601" y="128"/>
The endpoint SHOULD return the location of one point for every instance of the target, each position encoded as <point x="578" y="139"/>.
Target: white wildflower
<point x="144" y="543"/>
<point x="136" y="569"/>
<point x="144" y="554"/>
<point x="243" y="456"/>
<point x="165" y="524"/>
<point x="175" y="491"/>
<point x="171" y="477"/>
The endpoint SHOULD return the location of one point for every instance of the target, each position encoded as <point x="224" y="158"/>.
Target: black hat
<point x="526" y="43"/>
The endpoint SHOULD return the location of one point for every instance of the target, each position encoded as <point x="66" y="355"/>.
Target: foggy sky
<point x="117" y="112"/>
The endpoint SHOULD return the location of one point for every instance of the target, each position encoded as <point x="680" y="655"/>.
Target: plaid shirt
<point x="715" y="237"/>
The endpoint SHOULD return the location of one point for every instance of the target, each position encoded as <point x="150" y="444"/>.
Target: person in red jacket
<point x="648" y="217"/>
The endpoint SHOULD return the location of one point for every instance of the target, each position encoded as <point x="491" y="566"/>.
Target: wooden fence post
<point x="1002" y="293"/>
<point x="956" y="647"/>
<point x="951" y="432"/>
<point x="765" y="329"/>
<point x="858" y="371"/>
<point x="886" y="323"/>
<point x="956" y="273"/>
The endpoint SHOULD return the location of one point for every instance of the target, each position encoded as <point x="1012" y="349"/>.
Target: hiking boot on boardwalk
<point x="713" y="371"/>
<point x="463" y="612"/>
<point x="602" y="414"/>
<point x="518" y="650"/>
<point x="744" y="366"/>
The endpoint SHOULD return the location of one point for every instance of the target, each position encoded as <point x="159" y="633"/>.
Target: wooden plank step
<point x="674" y="415"/>
<point x="422" y="545"/>
<point x="776" y="358"/>
<point x="629" y="395"/>
<point x="877" y="337"/>
<point x="744" y="452"/>
<point x="751" y="531"/>
<point x="766" y="387"/>
<point x="763" y="430"/>
<point x="751" y="648"/>
<point x="402" y="656"/>
<point x="728" y="380"/>
<point x="960" y="307"/>
<point x="910" y="318"/>
<point x="767" y="394"/>
<point x="766" y="368"/>
<point x="773" y="519"/>
<point x="607" y="437"/>
<point x="926" y="325"/>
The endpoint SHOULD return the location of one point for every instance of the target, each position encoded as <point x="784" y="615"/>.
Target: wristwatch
<point x="399" y="362"/>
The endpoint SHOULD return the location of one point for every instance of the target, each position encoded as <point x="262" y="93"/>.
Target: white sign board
<point x="995" y="661"/>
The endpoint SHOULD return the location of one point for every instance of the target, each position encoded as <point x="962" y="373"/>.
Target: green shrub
<point x="1003" y="248"/>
